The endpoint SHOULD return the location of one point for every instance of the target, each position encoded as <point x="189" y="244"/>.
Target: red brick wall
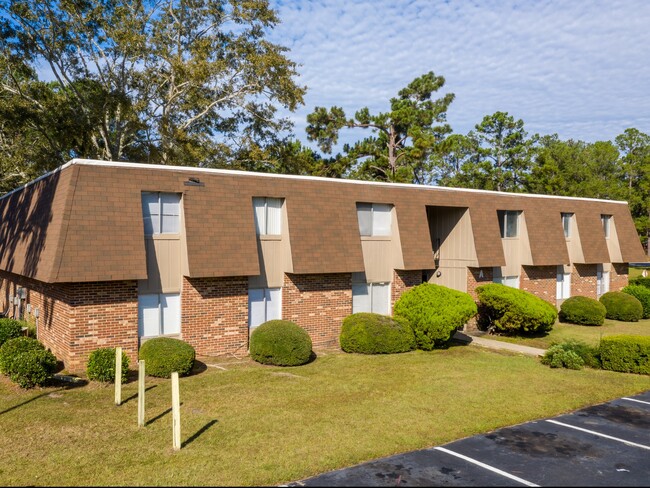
<point x="473" y="279"/>
<point x="541" y="281"/>
<point x="403" y="281"/>
<point x="214" y="314"/>
<point x="318" y="303"/>
<point x="583" y="280"/>
<point x="618" y="276"/>
<point x="77" y="318"/>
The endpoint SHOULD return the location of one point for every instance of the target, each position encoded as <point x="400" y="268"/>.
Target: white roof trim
<point x="191" y="169"/>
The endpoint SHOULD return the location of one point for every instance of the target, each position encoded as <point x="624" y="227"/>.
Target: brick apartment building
<point x="107" y="254"/>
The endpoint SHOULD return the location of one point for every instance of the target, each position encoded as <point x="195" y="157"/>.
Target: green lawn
<point x="249" y="424"/>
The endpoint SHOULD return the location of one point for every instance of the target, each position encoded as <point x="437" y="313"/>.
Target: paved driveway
<point x="601" y="445"/>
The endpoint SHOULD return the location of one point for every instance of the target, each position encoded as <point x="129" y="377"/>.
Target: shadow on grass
<point x="62" y="386"/>
<point x="198" y="368"/>
<point x="160" y="415"/>
<point x="198" y="433"/>
<point x="30" y="400"/>
<point x="135" y="395"/>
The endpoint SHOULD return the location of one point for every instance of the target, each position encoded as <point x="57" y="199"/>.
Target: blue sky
<point x="578" y="68"/>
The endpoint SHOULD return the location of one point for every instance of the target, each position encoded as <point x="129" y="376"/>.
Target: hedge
<point x="26" y="361"/>
<point x="572" y="354"/>
<point x="10" y="349"/>
<point x="10" y="329"/>
<point x="626" y="353"/>
<point x="582" y="311"/>
<point x="371" y="333"/>
<point x="621" y="306"/>
<point x="280" y="343"/>
<point x="101" y="365"/>
<point x="434" y="312"/>
<point x="641" y="281"/>
<point x="642" y="294"/>
<point x="163" y="356"/>
<point x="512" y="311"/>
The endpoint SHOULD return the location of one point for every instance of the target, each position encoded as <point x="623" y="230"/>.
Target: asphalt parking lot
<point x="601" y="445"/>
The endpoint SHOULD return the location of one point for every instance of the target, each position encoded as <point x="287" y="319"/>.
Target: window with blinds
<point x="264" y="304"/>
<point x="268" y="216"/>
<point x="374" y="219"/>
<point x="161" y="213"/>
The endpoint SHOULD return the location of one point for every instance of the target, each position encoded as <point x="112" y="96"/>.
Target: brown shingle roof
<point x="84" y="223"/>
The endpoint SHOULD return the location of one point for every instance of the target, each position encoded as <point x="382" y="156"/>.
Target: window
<point x="497" y="277"/>
<point x="159" y="314"/>
<point x="161" y="213"/>
<point x="374" y="219"/>
<point x="602" y="280"/>
<point x="508" y="222"/>
<point x="371" y="297"/>
<point x="268" y="212"/>
<point x="605" y="219"/>
<point x="563" y="287"/>
<point x="566" y="224"/>
<point x="264" y="304"/>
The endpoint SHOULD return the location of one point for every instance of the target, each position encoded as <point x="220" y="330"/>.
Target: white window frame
<point x="172" y="329"/>
<point x="504" y="216"/>
<point x="376" y="230"/>
<point x="269" y="204"/>
<point x="602" y="280"/>
<point x="606" y="220"/>
<point x="567" y="219"/>
<point x="511" y="281"/>
<point x="160" y="215"/>
<point x="272" y="310"/>
<point x="563" y="284"/>
<point x="371" y="290"/>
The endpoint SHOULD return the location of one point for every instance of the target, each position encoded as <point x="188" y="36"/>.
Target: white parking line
<point x="483" y="465"/>
<point x="635" y="400"/>
<point x="629" y="443"/>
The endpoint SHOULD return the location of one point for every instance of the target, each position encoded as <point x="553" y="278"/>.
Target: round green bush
<point x="513" y="311"/>
<point x="281" y="343"/>
<point x="32" y="368"/>
<point x="582" y="311"/>
<point x="642" y="294"/>
<point x="101" y="365"/>
<point x="13" y="347"/>
<point x="434" y="312"/>
<point x="163" y="356"/>
<point x="371" y="333"/>
<point x="621" y="306"/>
<point x="10" y="329"/>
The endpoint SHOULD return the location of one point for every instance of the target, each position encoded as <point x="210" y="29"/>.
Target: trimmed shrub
<point x="621" y="306"/>
<point x="32" y="368"/>
<point x="641" y="281"/>
<point x="562" y="355"/>
<point x="163" y="355"/>
<point x="626" y="353"/>
<point x="13" y="347"/>
<point x="513" y="311"/>
<point x="280" y="343"/>
<point x="582" y="311"/>
<point x="10" y="329"/>
<point x="434" y="312"/>
<point x="101" y="365"/>
<point x="371" y="333"/>
<point x="642" y="294"/>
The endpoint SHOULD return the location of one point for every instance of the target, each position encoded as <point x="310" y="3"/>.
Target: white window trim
<point x="370" y="287"/>
<point x="263" y="230"/>
<point x="373" y="223"/>
<point x="510" y="281"/>
<point x="563" y="284"/>
<point x="266" y="307"/>
<point x="159" y="194"/>
<point x="607" y="225"/>
<point x="603" y="279"/>
<point x="567" y="228"/>
<point x="161" y="324"/>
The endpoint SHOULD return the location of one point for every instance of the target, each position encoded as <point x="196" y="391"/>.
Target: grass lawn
<point x="589" y="334"/>
<point x="249" y="424"/>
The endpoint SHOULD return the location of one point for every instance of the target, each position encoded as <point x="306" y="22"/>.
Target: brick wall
<point x="77" y="318"/>
<point x="541" y="281"/>
<point x="583" y="280"/>
<point x="403" y="281"/>
<point x="474" y="279"/>
<point x="618" y="276"/>
<point x="214" y="314"/>
<point x="318" y="303"/>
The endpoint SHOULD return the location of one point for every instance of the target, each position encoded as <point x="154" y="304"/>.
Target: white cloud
<point x="580" y="69"/>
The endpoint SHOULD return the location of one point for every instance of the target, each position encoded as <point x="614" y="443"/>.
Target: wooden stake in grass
<point x="176" y="413"/>
<point x="118" y="376"/>
<point x="141" y="393"/>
